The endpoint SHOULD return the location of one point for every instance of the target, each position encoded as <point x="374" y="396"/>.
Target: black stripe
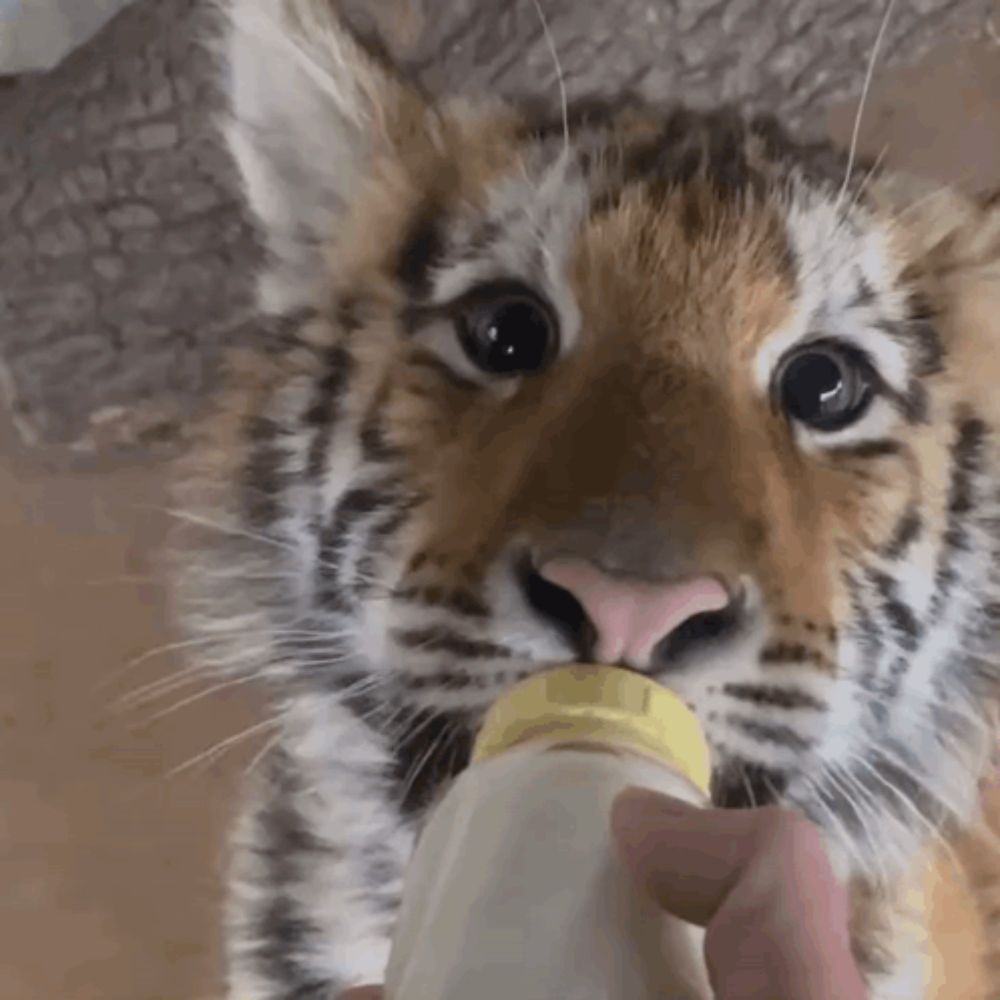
<point x="460" y="601"/>
<point x="918" y="335"/>
<point x="793" y="652"/>
<point x="821" y="161"/>
<point x="285" y="846"/>
<point x="864" y="293"/>
<point x="265" y="479"/>
<point x="966" y="464"/>
<point x="740" y="784"/>
<point x="379" y="537"/>
<point x="374" y="445"/>
<point x="438" y="639"/>
<point x="922" y="330"/>
<point x="421" y="250"/>
<point x="353" y="505"/>
<point x="324" y="408"/>
<point x="726" y="161"/>
<point x="348" y="313"/>
<point x="283" y="932"/>
<point x="444" y="680"/>
<point x="906" y="531"/>
<point x="900" y="616"/>
<point x="769" y="732"/>
<point x="673" y="157"/>
<point x="433" y="747"/>
<point x="778" y="697"/>
<point x="584" y="112"/>
<point x="278" y="334"/>
<point x="886" y="687"/>
<point x="878" y="448"/>
<point x="914" y="404"/>
<point x="863" y="627"/>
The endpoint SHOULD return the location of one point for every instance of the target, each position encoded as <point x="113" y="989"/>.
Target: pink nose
<point x="632" y="616"/>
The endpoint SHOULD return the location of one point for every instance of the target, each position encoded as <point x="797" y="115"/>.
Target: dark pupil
<point x="512" y="337"/>
<point x="815" y="389"/>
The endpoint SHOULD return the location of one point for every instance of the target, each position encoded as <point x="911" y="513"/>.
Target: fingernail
<point x="642" y="807"/>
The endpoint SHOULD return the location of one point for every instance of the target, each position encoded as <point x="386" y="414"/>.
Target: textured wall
<point x="125" y="261"/>
<point x="36" y="34"/>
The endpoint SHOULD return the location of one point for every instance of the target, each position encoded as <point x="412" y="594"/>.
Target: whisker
<point x="846" y="841"/>
<point x="149" y="654"/>
<point x="201" y="521"/>
<point x="872" y="809"/>
<point x="268" y="746"/>
<point x="199" y="696"/>
<point x="866" y="180"/>
<point x="218" y="749"/>
<point x="938" y="795"/>
<point x="560" y="76"/>
<point x="863" y="100"/>
<point x="159" y="687"/>
<point x="935" y="832"/>
<point x="415" y="770"/>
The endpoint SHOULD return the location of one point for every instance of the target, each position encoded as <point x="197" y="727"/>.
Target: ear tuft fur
<point x="309" y="107"/>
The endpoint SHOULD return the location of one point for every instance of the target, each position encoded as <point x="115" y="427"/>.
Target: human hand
<point x="758" y="880"/>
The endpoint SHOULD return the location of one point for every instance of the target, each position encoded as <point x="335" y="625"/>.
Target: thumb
<point x="761" y="883"/>
<point x="689" y="858"/>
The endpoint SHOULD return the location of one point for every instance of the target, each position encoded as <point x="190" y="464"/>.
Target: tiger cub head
<point x="658" y="388"/>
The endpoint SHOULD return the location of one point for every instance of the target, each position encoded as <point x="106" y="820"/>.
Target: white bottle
<point x="514" y="891"/>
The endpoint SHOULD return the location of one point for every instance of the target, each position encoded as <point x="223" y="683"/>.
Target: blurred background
<point x="125" y="269"/>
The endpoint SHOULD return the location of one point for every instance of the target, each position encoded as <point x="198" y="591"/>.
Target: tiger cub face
<point x="665" y="390"/>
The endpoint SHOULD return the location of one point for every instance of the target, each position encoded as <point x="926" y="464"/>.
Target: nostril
<point x="695" y="631"/>
<point x="560" y="607"/>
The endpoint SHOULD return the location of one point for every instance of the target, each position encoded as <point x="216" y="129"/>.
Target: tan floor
<point x="109" y="865"/>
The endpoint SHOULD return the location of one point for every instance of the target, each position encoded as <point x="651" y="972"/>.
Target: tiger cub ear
<point x="950" y="243"/>
<point x="309" y="110"/>
<point x="938" y="227"/>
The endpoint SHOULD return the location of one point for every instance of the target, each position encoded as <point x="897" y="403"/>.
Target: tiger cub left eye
<point x="825" y="386"/>
<point x="507" y="333"/>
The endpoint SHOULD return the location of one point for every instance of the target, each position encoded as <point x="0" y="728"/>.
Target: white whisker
<point x="866" y="180"/>
<point x="201" y="521"/>
<point x="560" y="76"/>
<point x="417" y="767"/>
<point x="215" y="751"/>
<point x="149" y="654"/>
<point x="834" y="822"/>
<point x="161" y="686"/>
<point x="830" y="775"/>
<point x="268" y="746"/>
<point x="934" y="832"/>
<point x="863" y="100"/>
<point x="199" y="696"/>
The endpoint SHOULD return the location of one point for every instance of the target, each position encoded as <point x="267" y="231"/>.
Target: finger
<point x="760" y="880"/>
<point x="363" y="993"/>
<point x="688" y="858"/>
